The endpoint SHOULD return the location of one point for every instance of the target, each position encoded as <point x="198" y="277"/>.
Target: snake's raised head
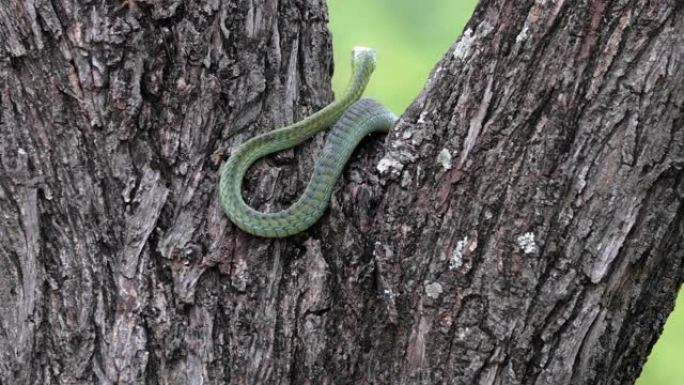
<point x="363" y="59"/>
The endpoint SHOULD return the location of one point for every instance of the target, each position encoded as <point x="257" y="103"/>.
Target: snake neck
<point x="361" y="73"/>
<point x="327" y="116"/>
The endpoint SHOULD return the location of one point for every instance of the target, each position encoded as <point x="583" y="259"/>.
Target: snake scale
<point x="352" y="118"/>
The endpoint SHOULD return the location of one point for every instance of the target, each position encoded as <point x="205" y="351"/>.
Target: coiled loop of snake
<point x="355" y="119"/>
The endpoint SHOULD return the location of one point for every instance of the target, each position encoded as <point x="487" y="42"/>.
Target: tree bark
<point x="523" y="225"/>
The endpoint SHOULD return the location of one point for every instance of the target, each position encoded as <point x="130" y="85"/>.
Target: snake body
<point x="353" y="119"/>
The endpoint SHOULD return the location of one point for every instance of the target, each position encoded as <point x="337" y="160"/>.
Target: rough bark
<point x="524" y="225"/>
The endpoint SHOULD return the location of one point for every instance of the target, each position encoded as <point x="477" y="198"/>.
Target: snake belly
<point x="353" y="119"/>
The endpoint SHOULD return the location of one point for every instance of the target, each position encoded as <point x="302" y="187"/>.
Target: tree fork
<point x="522" y="224"/>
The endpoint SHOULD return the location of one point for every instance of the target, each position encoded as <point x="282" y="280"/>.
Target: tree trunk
<point x="524" y="225"/>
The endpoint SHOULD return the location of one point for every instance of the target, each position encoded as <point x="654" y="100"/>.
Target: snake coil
<point x="353" y="119"/>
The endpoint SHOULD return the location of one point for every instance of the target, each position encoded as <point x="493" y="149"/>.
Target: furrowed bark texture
<point x="532" y="230"/>
<point x="523" y="226"/>
<point x="119" y="266"/>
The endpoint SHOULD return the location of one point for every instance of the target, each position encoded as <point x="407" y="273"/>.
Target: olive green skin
<point x="355" y="119"/>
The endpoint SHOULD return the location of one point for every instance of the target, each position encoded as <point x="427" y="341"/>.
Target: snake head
<point x="364" y="58"/>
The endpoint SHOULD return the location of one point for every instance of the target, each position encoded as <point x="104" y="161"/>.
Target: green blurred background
<point x="410" y="37"/>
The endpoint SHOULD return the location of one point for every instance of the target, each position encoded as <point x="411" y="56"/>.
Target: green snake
<point x="352" y="118"/>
